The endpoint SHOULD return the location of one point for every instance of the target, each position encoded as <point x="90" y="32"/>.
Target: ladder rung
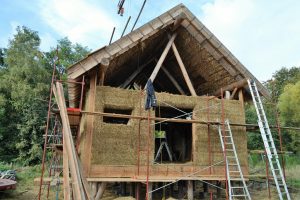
<point x="235" y="179"/>
<point x="239" y="195"/>
<point x="237" y="187"/>
<point x="235" y="171"/>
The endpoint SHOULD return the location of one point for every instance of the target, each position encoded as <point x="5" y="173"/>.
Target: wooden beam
<point x="104" y="63"/>
<point x="190" y="190"/>
<point x="178" y="21"/>
<point x="66" y="173"/>
<point x="162" y="57"/>
<point x="173" y="80"/>
<point x="238" y="85"/>
<point x="134" y="74"/>
<point x="183" y="70"/>
<point x="241" y="97"/>
<point x="70" y="148"/>
<point x="86" y="156"/>
<point x="93" y="186"/>
<point x="101" y="190"/>
<point x="233" y="93"/>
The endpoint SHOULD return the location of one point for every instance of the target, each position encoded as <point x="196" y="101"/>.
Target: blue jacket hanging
<point x="151" y="101"/>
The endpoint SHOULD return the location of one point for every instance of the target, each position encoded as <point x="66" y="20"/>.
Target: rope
<point x="190" y="113"/>
<point x="190" y="175"/>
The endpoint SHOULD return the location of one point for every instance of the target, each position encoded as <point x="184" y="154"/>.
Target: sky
<point x="263" y="34"/>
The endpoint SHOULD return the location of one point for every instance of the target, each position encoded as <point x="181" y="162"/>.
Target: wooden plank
<point x="67" y="136"/>
<point x="173" y="80"/>
<point x="66" y="172"/>
<point x="86" y="157"/>
<point x="183" y="70"/>
<point x="162" y="57"/>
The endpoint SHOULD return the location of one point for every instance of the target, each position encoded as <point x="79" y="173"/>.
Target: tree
<point x="280" y="79"/>
<point x="289" y="106"/>
<point x="25" y="85"/>
<point x="2" y="56"/>
<point x="67" y="54"/>
<point x="25" y="77"/>
<point x="275" y="86"/>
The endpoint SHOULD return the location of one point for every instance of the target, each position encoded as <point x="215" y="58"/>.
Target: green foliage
<point x="25" y="77"/>
<point x="288" y="107"/>
<point x="67" y="53"/>
<point x="24" y="84"/>
<point x="289" y="104"/>
<point x="2" y="56"/>
<point x="280" y="79"/>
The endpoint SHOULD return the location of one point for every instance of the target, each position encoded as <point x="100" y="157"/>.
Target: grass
<point x="26" y="190"/>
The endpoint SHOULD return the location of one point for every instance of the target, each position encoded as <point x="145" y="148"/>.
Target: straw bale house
<point x="188" y="66"/>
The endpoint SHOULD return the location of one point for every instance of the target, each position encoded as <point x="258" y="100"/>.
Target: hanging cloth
<point x="151" y="101"/>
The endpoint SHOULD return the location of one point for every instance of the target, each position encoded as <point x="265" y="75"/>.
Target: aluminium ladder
<point x="268" y="141"/>
<point x="233" y="168"/>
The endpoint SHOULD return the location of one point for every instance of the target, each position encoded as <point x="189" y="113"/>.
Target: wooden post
<point x="86" y="157"/>
<point x="66" y="172"/>
<point x="137" y="190"/>
<point x="150" y="186"/>
<point x="219" y="184"/>
<point x="101" y="190"/>
<point x="241" y="96"/>
<point x="180" y="189"/>
<point x="131" y="189"/>
<point x="162" y="57"/>
<point x="205" y="187"/>
<point x="123" y="188"/>
<point x="93" y="189"/>
<point x="183" y="70"/>
<point x="102" y="71"/>
<point x="190" y="190"/>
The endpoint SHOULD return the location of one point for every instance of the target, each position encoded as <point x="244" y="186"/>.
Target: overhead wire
<point x="189" y="175"/>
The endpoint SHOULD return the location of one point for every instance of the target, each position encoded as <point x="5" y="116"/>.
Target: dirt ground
<point x="260" y="194"/>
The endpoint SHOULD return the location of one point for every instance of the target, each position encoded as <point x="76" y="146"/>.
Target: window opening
<point x="173" y="141"/>
<point x="116" y="120"/>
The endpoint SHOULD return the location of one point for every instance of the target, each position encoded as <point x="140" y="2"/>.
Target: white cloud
<point x="47" y="41"/>
<point x="4" y="39"/>
<point x="79" y="20"/>
<point x="263" y="35"/>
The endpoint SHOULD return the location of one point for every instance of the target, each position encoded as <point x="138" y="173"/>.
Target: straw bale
<point x="117" y="144"/>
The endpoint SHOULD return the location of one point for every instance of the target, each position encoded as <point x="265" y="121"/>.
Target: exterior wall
<point x="115" y="146"/>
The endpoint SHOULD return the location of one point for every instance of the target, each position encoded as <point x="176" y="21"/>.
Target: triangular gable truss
<point x="177" y="15"/>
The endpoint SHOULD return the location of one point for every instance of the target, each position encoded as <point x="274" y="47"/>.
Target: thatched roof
<point x="209" y="63"/>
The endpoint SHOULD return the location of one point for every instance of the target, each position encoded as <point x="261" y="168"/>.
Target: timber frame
<point x="181" y="57"/>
